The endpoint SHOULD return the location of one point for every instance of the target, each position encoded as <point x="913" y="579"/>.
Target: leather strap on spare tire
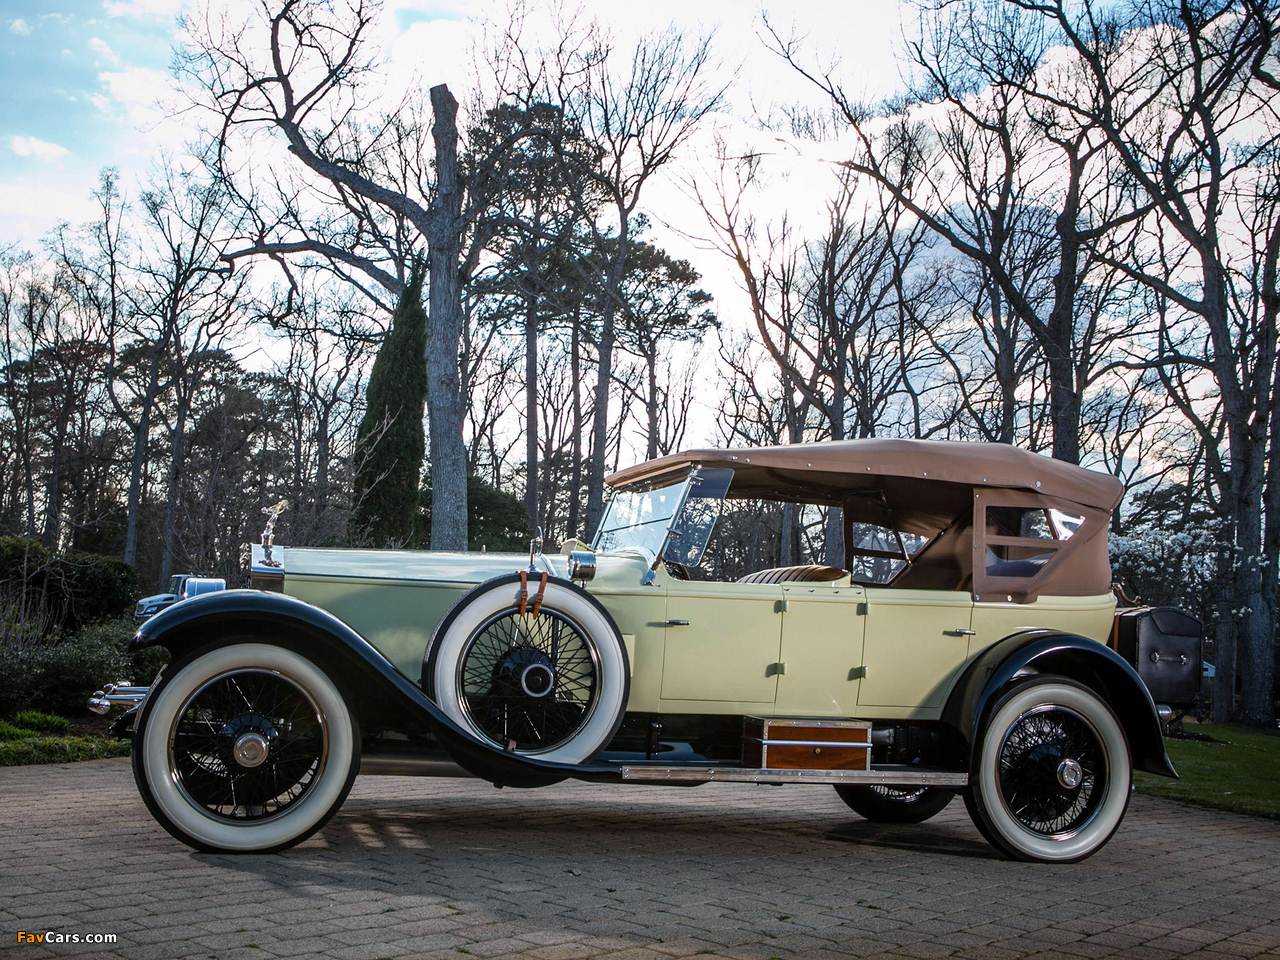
<point x="524" y="592"/>
<point x="545" y="670"/>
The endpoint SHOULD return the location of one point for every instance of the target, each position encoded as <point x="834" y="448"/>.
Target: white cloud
<point x="37" y="149"/>
<point x="29" y="208"/>
<point x="102" y="49"/>
<point x="142" y="8"/>
<point x="20" y="27"/>
<point x="136" y="86"/>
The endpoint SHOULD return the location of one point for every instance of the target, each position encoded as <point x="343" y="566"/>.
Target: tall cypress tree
<point x="390" y="443"/>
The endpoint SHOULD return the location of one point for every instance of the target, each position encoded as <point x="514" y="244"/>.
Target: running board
<point x="882" y="778"/>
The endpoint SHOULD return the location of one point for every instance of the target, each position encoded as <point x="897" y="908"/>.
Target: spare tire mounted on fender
<point x="550" y="681"/>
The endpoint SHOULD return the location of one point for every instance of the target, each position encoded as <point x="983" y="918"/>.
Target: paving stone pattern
<point x="455" y="868"/>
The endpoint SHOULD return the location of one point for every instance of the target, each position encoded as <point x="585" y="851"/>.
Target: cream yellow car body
<point x="833" y="649"/>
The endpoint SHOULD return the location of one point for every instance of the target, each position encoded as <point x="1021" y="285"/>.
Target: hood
<point x="159" y="598"/>
<point x="621" y="569"/>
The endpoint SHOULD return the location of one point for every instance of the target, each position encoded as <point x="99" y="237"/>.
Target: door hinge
<point x="780" y="606"/>
<point x="858" y="673"/>
<point x="860" y="610"/>
<point x="776" y="669"/>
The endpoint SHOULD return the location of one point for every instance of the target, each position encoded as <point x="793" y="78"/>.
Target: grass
<point x="16" y="753"/>
<point x="1238" y="771"/>
<point x="35" y="737"/>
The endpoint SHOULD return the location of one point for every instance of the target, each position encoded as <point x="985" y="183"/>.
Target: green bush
<point x="99" y="588"/>
<point x="13" y="731"/>
<point x="41" y="722"/>
<point x="143" y="665"/>
<point x="59" y="676"/>
<point x="72" y="590"/>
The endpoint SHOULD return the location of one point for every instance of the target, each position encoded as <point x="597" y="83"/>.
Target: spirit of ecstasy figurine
<point x="273" y="514"/>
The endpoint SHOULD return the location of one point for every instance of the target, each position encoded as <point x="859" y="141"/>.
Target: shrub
<point x="143" y="665"/>
<point x="13" y="731"/>
<point x="72" y="590"/>
<point x="98" y="588"/>
<point x="60" y="675"/>
<point x="41" y="722"/>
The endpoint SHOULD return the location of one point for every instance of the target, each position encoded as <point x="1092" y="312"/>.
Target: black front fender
<point x="380" y="694"/>
<point x="1100" y="668"/>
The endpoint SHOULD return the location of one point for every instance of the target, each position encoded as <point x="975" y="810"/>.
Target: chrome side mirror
<point x="582" y="565"/>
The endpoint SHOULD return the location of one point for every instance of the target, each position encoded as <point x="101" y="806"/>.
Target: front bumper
<point x="122" y="694"/>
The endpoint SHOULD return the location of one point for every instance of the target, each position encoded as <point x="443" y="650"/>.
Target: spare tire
<point x="552" y="686"/>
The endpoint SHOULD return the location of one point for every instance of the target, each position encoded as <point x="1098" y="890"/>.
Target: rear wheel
<point x="894" y="804"/>
<point x="246" y="748"/>
<point x="1052" y="774"/>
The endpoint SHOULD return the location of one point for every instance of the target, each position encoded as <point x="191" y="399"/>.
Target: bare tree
<point x="1001" y="172"/>
<point x="364" y="196"/>
<point x="1182" y="96"/>
<point x="637" y="117"/>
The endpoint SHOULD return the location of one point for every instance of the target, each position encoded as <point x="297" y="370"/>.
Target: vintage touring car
<point x="960" y="648"/>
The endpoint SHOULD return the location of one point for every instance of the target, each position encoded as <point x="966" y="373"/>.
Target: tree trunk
<point x="834" y="540"/>
<point x="651" y="406"/>
<point x="171" y="495"/>
<point x="140" y="453"/>
<point x="448" y="454"/>
<point x="1257" y="642"/>
<point x="604" y="380"/>
<point x="575" y="449"/>
<point x="531" y="408"/>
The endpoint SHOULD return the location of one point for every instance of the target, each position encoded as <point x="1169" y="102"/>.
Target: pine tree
<point x="390" y="443"/>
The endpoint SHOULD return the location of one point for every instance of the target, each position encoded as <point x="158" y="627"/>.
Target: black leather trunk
<point x="1164" y="645"/>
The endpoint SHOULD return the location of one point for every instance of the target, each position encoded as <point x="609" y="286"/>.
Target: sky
<point x="89" y="83"/>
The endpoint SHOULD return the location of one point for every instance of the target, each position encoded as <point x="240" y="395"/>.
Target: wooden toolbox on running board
<point x="777" y="743"/>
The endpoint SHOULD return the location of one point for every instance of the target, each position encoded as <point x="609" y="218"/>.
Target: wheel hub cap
<point x="251" y="750"/>
<point x="537" y="680"/>
<point x="1070" y="774"/>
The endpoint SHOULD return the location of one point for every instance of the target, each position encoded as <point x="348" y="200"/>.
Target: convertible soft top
<point x="834" y="470"/>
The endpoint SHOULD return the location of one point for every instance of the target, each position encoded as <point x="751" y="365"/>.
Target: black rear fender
<point x="1033" y="652"/>
<point x="380" y="695"/>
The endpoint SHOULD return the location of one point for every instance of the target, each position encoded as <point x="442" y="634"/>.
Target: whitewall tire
<point x="246" y="748"/>
<point x="1052" y="773"/>
<point x="553" y="686"/>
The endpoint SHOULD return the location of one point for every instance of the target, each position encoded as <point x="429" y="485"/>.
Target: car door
<point x="723" y="642"/>
<point x="916" y="642"/>
<point x="822" y="650"/>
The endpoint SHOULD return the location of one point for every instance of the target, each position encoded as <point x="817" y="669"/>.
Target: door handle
<point x="677" y="623"/>
<point x="960" y="632"/>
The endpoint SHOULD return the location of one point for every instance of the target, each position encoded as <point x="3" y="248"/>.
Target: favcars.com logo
<point x="52" y="936"/>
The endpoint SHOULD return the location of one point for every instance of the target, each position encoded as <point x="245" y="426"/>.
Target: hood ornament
<point x="273" y="514"/>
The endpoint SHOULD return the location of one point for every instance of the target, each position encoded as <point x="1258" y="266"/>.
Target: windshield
<point x="175" y="584"/>
<point x="674" y="521"/>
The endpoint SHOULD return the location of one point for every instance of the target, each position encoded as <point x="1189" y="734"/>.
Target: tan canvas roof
<point x="828" y="472"/>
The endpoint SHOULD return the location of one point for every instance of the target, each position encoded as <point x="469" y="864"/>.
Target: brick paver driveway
<point x="456" y="868"/>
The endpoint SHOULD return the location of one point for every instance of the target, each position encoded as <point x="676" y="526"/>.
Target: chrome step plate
<point x="884" y="778"/>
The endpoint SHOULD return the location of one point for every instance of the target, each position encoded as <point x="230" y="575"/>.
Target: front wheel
<point x="247" y="748"/>
<point x="1051" y="778"/>
<point x="881" y="804"/>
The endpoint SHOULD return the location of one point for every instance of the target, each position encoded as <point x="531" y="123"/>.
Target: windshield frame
<point x="674" y="522"/>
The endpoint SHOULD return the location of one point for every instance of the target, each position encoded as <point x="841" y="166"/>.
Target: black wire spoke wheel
<point x="529" y="683"/>
<point x="1052" y="771"/>
<point x="884" y="804"/>
<point x="247" y="746"/>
